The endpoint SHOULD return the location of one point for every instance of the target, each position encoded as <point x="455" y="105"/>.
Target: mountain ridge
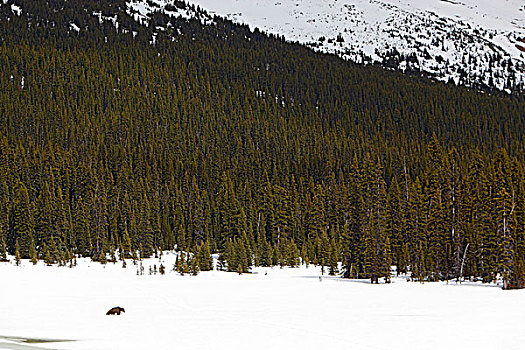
<point x="469" y="49"/>
<point x="471" y="43"/>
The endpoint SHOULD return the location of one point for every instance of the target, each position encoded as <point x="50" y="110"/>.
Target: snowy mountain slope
<point x="476" y="43"/>
<point x="472" y="42"/>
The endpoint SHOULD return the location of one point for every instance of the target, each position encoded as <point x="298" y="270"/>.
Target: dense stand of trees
<point x="216" y="138"/>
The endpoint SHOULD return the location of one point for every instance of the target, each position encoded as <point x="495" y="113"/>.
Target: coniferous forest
<point x="219" y="139"/>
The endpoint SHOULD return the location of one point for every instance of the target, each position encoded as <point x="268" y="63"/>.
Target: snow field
<point x="285" y="309"/>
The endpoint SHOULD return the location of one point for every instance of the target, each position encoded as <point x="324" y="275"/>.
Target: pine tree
<point x="181" y="238"/>
<point x="17" y="253"/>
<point x="81" y="228"/>
<point x="241" y="255"/>
<point x="33" y="253"/>
<point x="332" y="258"/>
<point x="193" y="266"/>
<point x="353" y="233"/>
<point x="22" y="221"/>
<point x="102" y="258"/>
<point x="182" y="264"/>
<point x="228" y="258"/>
<point x="3" y="250"/>
<point x="434" y="211"/>
<point x="418" y="238"/>
<point x="504" y="215"/>
<point x="304" y="255"/>
<point x="387" y="259"/>
<point x="45" y="223"/>
<point x="292" y="254"/>
<point x="186" y="263"/>
<point x="396" y="227"/>
<point x="46" y="252"/>
<point x="126" y="244"/>
<point x="477" y="218"/>
<point x="53" y="251"/>
<point x="275" y="256"/>
<point x="205" y="261"/>
<point x="231" y="219"/>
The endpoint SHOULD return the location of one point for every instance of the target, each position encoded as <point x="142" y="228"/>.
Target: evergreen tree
<point x="33" y="253"/>
<point x="22" y="221"/>
<point x="48" y="258"/>
<point x="81" y="228"/>
<point x="332" y="258"/>
<point x="204" y="259"/>
<point x="45" y="220"/>
<point x="102" y="258"/>
<point x="126" y="244"/>
<point x="304" y="255"/>
<point x="3" y="251"/>
<point x="17" y="253"/>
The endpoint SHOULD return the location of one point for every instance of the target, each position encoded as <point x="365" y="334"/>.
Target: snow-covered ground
<point x="285" y="309"/>
<point x="463" y="40"/>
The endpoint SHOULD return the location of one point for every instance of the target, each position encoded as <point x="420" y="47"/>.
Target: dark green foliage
<point x="17" y="253"/>
<point x="183" y="263"/>
<point x="230" y="141"/>
<point x="193" y="266"/>
<point x="3" y="251"/>
<point x="203" y="257"/>
<point x="47" y="255"/>
<point x="237" y="256"/>
<point x="102" y="258"/>
<point x="333" y="258"/>
<point x="46" y="224"/>
<point x="33" y="254"/>
<point x="22" y="226"/>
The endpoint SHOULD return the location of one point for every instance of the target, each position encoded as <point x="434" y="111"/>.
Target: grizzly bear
<point x="115" y="311"/>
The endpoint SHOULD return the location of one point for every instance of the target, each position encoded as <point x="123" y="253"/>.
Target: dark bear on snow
<point x="115" y="311"/>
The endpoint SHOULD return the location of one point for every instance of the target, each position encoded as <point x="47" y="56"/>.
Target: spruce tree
<point x="333" y="258"/>
<point x="3" y="250"/>
<point x="48" y="258"/>
<point x="205" y="259"/>
<point x="22" y="220"/>
<point x="17" y="253"/>
<point x="102" y="258"/>
<point x="126" y="244"/>
<point x="304" y="255"/>
<point x="45" y="220"/>
<point x="33" y="253"/>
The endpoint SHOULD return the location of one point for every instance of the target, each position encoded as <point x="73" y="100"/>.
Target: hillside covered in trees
<point x="214" y="138"/>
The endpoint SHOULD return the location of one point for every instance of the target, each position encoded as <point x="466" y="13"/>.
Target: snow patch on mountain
<point x="17" y="10"/>
<point x="143" y="10"/>
<point x="471" y="42"/>
<point x="74" y="27"/>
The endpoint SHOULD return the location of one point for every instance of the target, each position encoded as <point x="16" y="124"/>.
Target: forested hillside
<point x="215" y="138"/>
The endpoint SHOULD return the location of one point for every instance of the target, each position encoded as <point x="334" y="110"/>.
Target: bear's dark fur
<point x="115" y="311"/>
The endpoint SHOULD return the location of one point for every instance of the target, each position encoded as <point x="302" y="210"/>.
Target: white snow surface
<point x="285" y="309"/>
<point x="17" y="10"/>
<point x="74" y="27"/>
<point x="142" y="10"/>
<point x="446" y="36"/>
